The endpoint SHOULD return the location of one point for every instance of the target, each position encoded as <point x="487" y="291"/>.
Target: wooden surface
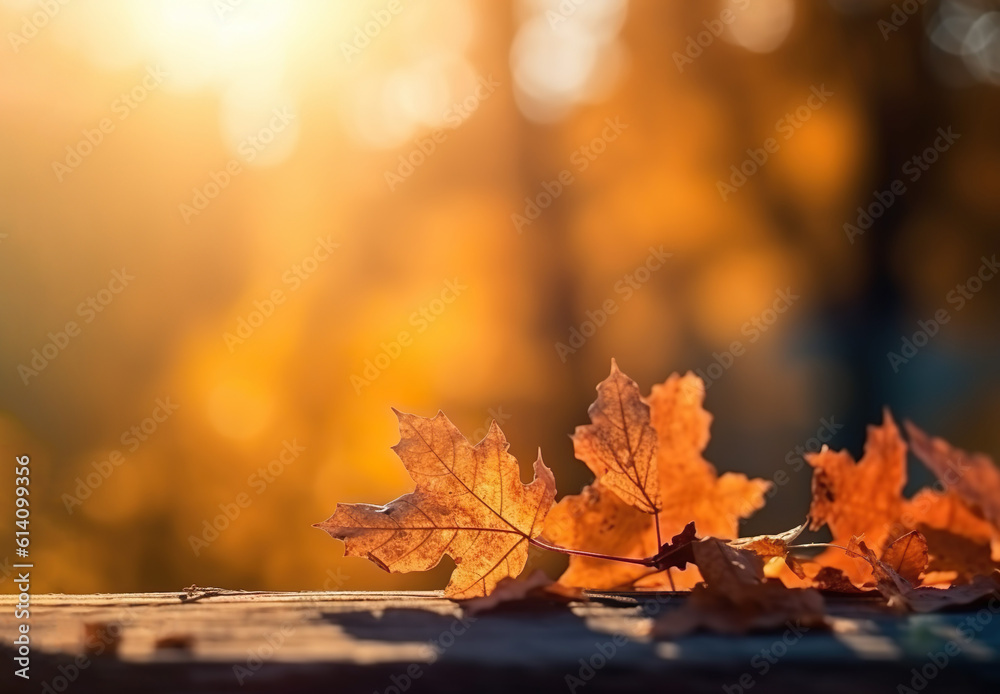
<point x="224" y="641"/>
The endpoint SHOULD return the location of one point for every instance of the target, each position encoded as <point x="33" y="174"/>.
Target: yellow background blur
<point x="293" y="184"/>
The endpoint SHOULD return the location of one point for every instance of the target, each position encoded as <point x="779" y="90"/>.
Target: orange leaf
<point x="469" y="503"/>
<point x="973" y="476"/>
<point x="598" y="521"/>
<point x="736" y="597"/>
<point x="863" y="498"/>
<point x="907" y="556"/>
<point x="688" y="486"/>
<point x="620" y="445"/>
<point x="535" y="593"/>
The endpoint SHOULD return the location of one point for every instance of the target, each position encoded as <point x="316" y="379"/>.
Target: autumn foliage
<point x="660" y="516"/>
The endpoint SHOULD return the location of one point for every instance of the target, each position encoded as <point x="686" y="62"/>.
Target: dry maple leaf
<point x="907" y="556"/>
<point x="900" y="593"/>
<point x="619" y="445"/>
<point x="534" y="593"/>
<point x="973" y="476"/>
<point x="736" y="597"/>
<point x="469" y="503"/>
<point x="769" y="546"/>
<point x="689" y="490"/>
<point x="863" y="498"/>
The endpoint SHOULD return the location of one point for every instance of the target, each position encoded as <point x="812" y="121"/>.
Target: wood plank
<point x="228" y="641"/>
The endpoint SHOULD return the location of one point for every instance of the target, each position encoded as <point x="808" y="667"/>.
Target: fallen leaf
<point x="832" y="579"/>
<point x="863" y="498"/>
<point x="600" y="522"/>
<point x="619" y="445"/>
<point x="907" y="556"/>
<point x="928" y="599"/>
<point x="690" y="487"/>
<point x="469" y="503"/>
<point x="736" y="597"/>
<point x="956" y="555"/>
<point x="768" y="546"/>
<point x="973" y="476"/>
<point x="679" y="551"/>
<point x="534" y="593"/>
<point x="689" y="490"/>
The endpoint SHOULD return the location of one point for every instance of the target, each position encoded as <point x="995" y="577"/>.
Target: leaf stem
<point x="593" y="555"/>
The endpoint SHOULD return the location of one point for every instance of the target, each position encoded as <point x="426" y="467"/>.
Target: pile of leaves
<point x="659" y="516"/>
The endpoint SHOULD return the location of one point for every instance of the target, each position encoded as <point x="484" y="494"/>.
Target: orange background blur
<point x="284" y="187"/>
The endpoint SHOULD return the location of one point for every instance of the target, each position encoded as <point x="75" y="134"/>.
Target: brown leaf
<point x="863" y="498"/>
<point x="956" y="555"/>
<point x="469" y="503"/>
<point x="768" y="546"/>
<point x="927" y="599"/>
<point x="679" y="551"/>
<point x="689" y="489"/>
<point x="727" y="568"/>
<point x="907" y="556"/>
<point x="973" y="476"/>
<point x="620" y="445"/>
<point x="534" y="593"/>
<point x="736" y="597"/>
<point x="834" y="580"/>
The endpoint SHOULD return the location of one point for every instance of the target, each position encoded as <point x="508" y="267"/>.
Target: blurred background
<point x="234" y="234"/>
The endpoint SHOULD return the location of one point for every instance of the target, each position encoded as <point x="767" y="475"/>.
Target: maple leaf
<point x="863" y="498"/>
<point x="973" y="476"/>
<point x="619" y="446"/>
<point x="907" y="556"/>
<point x="469" y="503"/>
<point x="769" y="546"/>
<point x="900" y="592"/>
<point x="736" y="597"/>
<point x="687" y="485"/>
<point x="534" y="593"/>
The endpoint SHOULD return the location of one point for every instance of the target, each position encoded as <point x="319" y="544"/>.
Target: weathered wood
<point x="225" y="641"/>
